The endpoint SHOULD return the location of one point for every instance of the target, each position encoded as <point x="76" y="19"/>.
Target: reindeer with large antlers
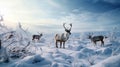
<point x="62" y="38"/>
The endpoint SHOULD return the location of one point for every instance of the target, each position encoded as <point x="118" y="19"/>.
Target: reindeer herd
<point x="63" y="37"/>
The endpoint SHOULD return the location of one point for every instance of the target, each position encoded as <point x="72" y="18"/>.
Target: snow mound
<point x="113" y="61"/>
<point x="32" y="61"/>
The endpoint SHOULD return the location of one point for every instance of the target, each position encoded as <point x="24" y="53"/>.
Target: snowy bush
<point x="4" y="57"/>
<point x="31" y="61"/>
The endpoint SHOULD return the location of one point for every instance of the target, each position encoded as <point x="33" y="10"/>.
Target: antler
<point x="71" y="26"/>
<point x="90" y="34"/>
<point x="64" y="25"/>
<point x="40" y="33"/>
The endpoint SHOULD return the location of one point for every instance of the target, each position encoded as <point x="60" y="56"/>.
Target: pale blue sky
<point x="49" y="15"/>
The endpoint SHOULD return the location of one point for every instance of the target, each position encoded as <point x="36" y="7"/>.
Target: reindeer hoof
<point x="6" y="61"/>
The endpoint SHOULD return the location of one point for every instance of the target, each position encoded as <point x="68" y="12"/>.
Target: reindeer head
<point x="67" y="30"/>
<point x="40" y="34"/>
<point x="90" y="35"/>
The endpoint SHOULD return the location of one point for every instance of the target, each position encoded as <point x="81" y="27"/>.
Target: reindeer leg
<point x="95" y="43"/>
<point x="6" y="60"/>
<point x="60" y="44"/>
<point x="56" y="45"/>
<point x="64" y="45"/>
<point x="102" y="43"/>
<point x="33" y="40"/>
<point x="38" y="40"/>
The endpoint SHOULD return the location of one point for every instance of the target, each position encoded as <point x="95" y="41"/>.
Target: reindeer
<point x="62" y="38"/>
<point x="95" y="39"/>
<point x="37" y="36"/>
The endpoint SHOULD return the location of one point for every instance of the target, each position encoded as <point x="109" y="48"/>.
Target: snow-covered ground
<point x="79" y="51"/>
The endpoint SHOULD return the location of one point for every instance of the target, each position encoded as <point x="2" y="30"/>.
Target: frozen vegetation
<point x="20" y="51"/>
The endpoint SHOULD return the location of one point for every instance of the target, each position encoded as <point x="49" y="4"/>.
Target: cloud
<point x="109" y="1"/>
<point x="48" y="28"/>
<point x="29" y="12"/>
<point x="112" y="1"/>
<point x="54" y="4"/>
<point x="51" y="14"/>
<point x="90" y="21"/>
<point x="110" y="17"/>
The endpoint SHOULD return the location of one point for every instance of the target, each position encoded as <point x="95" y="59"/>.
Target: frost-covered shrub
<point x="19" y="52"/>
<point x="4" y="55"/>
<point x="32" y="61"/>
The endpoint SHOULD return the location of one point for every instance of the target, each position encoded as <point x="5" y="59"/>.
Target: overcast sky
<point x="49" y="15"/>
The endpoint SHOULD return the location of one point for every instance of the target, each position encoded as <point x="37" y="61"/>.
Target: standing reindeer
<point x="95" y="39"/>
<point x="62" y="38"/>
<point x="37" y="36"/>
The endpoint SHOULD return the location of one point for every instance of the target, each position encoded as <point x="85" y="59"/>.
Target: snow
<point x="113" y="61"/>
<point x="32" y="61"/>
<point x="79" y="51"/>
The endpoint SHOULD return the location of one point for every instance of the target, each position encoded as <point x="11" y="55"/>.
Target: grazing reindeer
<point x="37" y="36"/>
<point x="95" y="39"/>
<point x="62" y="38"/>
